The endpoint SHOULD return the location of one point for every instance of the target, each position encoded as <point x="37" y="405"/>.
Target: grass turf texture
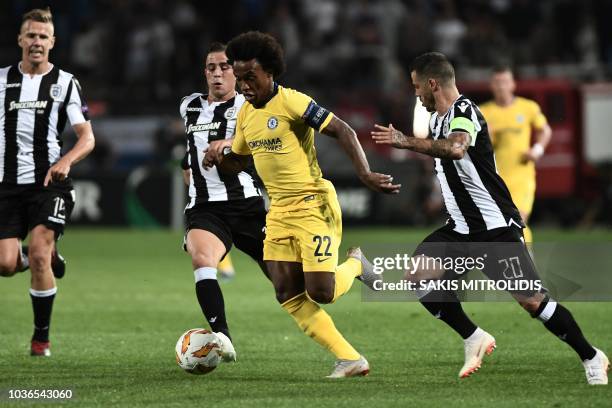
<point x="128" y="295"/>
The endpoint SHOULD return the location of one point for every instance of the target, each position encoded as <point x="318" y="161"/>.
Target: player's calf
<point x="559" y="321"/>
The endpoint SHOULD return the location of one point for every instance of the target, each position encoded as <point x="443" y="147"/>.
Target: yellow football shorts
<point x="523" y="194"/>
<point x="310" y="235"/>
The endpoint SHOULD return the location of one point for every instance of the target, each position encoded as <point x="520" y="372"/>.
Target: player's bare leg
<point x="206" y="249"/>
<point x="299" y="301"/>
<point x="10" y="257"/>
<point x="43" y="289"/>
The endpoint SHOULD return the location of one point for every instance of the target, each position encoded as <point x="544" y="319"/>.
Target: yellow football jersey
<point x="280" y="136"/>
<point x="510" y="129"/>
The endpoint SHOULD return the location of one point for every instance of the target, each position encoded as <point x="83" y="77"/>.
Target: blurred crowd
<point x="139" y="56"/>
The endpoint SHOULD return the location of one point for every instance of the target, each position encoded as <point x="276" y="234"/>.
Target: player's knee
<point x="321" y="295"/>
<point x="417" y="275"/>
<point x="201" y="259"/>
<point x="7" y="270"/>
<point x="284" y="293"/>
<point x="8" y="264"/>
<point x="530" y="305"/>
<point x="40" y="258"/>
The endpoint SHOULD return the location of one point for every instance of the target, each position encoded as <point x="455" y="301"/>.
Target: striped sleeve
<point x="465" y="120"/>
<point x="76" y="107"/>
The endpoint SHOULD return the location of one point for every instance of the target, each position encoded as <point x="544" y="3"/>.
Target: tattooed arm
<point x="453" y="147"/>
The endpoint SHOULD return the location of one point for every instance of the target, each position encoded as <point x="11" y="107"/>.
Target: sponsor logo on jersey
<point x="27" y="105"/>
<point x="269" y="145"/>
<point x="203" y="127"/>
<point x="520" y="118"/>
<point x="230" y="113"/>
<point x="272" y="123"/>
<point x="463" y="107"/>
<point x="192" y="109"/>
<point x="13" y="85"/>
<point x="55" y="91"/>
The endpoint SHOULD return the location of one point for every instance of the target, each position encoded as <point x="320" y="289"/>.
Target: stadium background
<point x="136" y="59"/>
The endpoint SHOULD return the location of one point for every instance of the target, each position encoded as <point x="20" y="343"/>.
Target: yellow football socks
<point x="316" y="323"/>
<point x="345" y="276"/>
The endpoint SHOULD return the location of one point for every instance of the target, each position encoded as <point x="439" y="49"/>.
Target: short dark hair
<point x="216" y="46"/>
<point x="260" y="46"/>
<point x="39" y="15"/>
<point x="434" y="65"/>
<point x="499" y="68"/>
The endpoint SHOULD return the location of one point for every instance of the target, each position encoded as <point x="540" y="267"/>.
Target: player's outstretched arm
<point x="453" y="147"/>
<point x="84" y="145"/>
<point x="347" y="138"/>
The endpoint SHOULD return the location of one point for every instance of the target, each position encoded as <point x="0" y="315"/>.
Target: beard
<point x="429" y="105"/>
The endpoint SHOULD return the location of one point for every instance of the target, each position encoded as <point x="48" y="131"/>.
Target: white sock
<point x="43" y="293"/>
<point x="205" y="272"/>
<point x="477" y="333"/>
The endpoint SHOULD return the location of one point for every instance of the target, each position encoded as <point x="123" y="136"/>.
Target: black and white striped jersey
<point x="206" y="122"/>
<point x="33" y="115"/>
<point x="475" y="196"/>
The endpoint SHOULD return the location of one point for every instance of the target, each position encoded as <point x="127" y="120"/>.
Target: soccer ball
<point x="198" y="351"/>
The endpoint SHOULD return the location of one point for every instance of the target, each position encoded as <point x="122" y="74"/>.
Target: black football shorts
<point x="501" y="252"/>
<point x="24" y="206"/>
<point x="238" y="222"/>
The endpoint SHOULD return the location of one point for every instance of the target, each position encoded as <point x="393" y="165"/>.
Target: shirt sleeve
<point x="183" y="108"/>
<point x="463" y="121"/>
<point x="538" y="120"/>
<point x="76" y="107"/>
<point x="239" y="145"/>
<point x="303" y="107"/>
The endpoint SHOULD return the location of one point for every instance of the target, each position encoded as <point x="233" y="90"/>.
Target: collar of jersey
<point x="452" y="105"/>
<point x="274" y="92"/>
<point x="51" y="66"/>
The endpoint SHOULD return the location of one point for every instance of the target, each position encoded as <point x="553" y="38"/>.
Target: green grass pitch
<point x="128" y="295"/>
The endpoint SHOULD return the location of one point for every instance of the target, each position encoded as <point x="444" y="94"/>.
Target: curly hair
<point x="260" y="46"/>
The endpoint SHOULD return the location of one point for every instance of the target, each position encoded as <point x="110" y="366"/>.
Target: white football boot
<point x="368" y="276"/>
<point x="228" y="353"/>
<point x="597" y="368"/>
<point x="350" y="368"/>
<point x="476" y="346"/>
